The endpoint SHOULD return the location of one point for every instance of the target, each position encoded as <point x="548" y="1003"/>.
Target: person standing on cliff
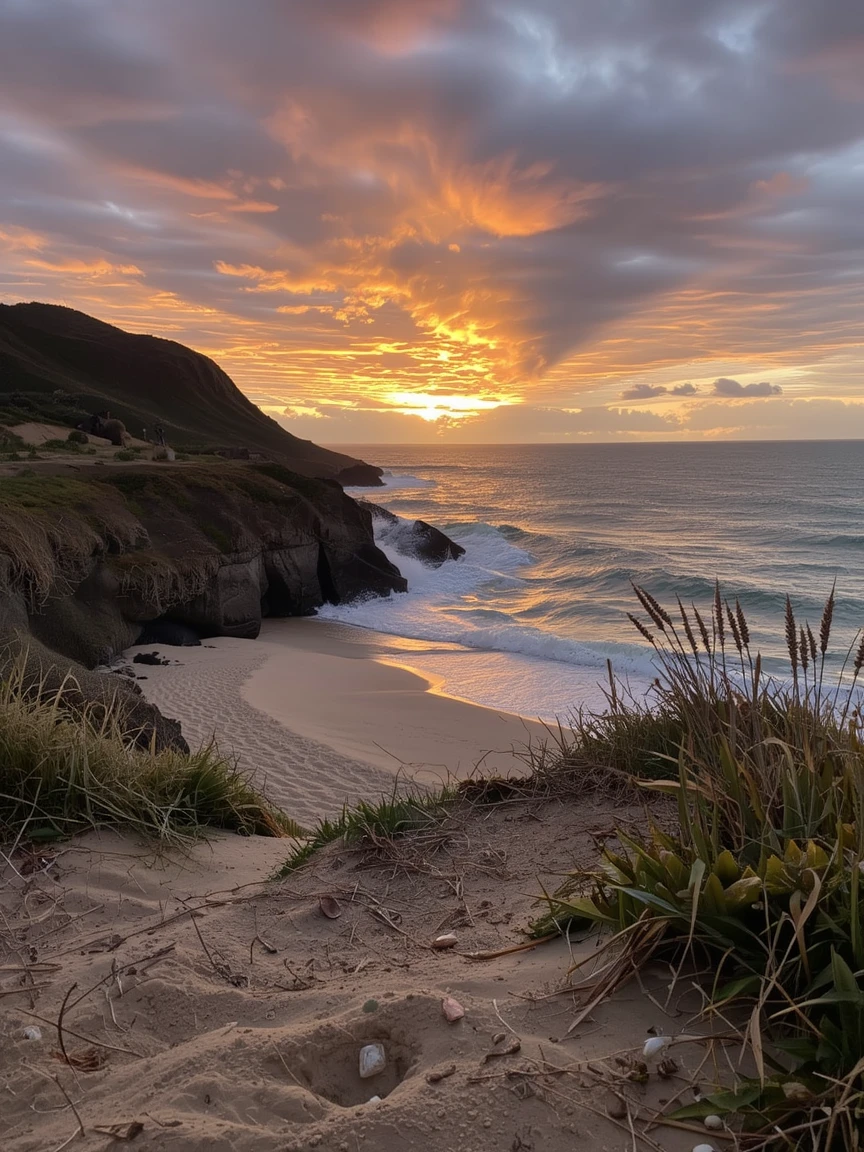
<point x="160" y="434"/>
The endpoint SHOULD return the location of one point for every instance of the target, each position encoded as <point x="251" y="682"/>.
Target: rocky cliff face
<point x="93" y="558"/>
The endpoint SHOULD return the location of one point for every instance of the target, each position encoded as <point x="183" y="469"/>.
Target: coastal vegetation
<point x="760" y="880"/>
<point x="65" y="771"/>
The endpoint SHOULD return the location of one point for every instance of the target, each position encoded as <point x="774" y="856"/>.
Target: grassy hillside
<point x="57" y="365"/>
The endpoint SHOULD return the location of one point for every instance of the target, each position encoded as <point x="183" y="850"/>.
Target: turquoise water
<point x="554" y="535"/>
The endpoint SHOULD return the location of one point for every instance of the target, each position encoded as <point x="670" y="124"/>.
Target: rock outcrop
<point x="415" y="538"/>
<point x="93" y="559"/>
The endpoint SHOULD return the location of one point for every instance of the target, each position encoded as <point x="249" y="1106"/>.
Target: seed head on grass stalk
<point x="688" y="631"/>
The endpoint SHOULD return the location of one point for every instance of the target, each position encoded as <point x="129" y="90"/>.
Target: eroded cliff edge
<point x="90" y="557"/>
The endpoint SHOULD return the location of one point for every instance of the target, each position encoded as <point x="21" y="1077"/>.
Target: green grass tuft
<point x="373" y="823"/>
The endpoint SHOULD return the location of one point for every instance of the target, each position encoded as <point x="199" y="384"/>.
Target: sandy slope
<point x="241" y="1031"/>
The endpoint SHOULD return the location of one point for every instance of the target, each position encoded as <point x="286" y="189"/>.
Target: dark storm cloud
<point x="512" y="184"/>
<point x="732" y="388"/>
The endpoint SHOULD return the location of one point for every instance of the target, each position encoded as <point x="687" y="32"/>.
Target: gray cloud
<point x="652" y="391"/>
<point x="732" y="388"/>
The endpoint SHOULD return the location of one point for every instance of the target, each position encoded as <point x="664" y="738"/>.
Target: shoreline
<point x="323" y="713"/>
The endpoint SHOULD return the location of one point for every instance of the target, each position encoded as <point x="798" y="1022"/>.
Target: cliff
<point x="92" y="558"/>
<point x="58" y="365"/>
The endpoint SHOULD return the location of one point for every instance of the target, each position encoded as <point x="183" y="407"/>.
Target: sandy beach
<point x="323" y="713"/>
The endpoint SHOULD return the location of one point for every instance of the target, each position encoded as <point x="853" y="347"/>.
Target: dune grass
<point x="64" y="772"/>
<point x="761" y="881"/>
<point x="373" y="823"/>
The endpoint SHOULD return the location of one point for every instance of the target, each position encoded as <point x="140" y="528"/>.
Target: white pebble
<point x="374" y="1100"/>
<point x="32" y="1033"/>
<point x="703" y="1148"/>
<point x="713" y="1122"/>
<point x="442" y="942"/>
<point x="655" y="1046"/>
<point x="373" y="1060"/>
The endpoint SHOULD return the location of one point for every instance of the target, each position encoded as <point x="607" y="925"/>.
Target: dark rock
<point x="418" y="539"/>
<point x="152" y="658"/>
<point x="360" y="476"/>
<point x="379" y="513"/>
<point x="433" y="546"/>
<point x="169" y="632"/>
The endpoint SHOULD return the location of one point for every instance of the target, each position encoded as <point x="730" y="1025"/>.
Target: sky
<point x="403" y="221"/>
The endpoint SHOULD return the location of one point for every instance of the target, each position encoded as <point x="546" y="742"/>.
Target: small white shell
<point x="655" y="1046"/>
<point x="714" y="1123"/>
<point x="32" y="1033"/>
<point x="703" y="1148"/>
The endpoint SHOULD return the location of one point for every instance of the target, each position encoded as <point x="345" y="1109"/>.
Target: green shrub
<point x="763" y="876"/>
<point x="76" y="436"/>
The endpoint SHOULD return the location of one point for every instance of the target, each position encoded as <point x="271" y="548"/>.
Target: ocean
<point x="554" y="534"/>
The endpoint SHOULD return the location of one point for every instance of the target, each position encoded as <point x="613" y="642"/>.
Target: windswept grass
<point x="373" y="823"/>
<point x="62" y="773"/>
<point x="763" y="878"/>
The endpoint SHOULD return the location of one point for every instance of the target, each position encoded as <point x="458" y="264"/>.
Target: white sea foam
<point x="445" y="605"/>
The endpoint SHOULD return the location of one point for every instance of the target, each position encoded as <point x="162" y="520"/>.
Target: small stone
<point x="452" y="1009"/>
<point x="374" y="1100"/>
<point x="615" y="1106"/>
<point x="498" y="1037"/>
<point x="440" y="943"/>
<point x="655" y="1046"/>
<point x="703" y="1148"/>
<point x="439" y="1074"/>
<point x="713" y="1122"/>
<point x="32" y="1033"/>
<point x="373" y="1060"/>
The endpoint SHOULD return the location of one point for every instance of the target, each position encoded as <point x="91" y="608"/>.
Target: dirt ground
<point x="218" y="1010"/>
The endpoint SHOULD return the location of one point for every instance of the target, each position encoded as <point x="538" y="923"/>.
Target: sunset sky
<point x="459" y="220"/>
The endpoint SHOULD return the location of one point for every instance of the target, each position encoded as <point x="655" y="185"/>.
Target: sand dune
<point x="240" y="1030"/>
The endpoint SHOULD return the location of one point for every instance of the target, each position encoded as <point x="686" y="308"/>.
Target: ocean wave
<point x="440" y="606"/>
<point x="393" y="481"/>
